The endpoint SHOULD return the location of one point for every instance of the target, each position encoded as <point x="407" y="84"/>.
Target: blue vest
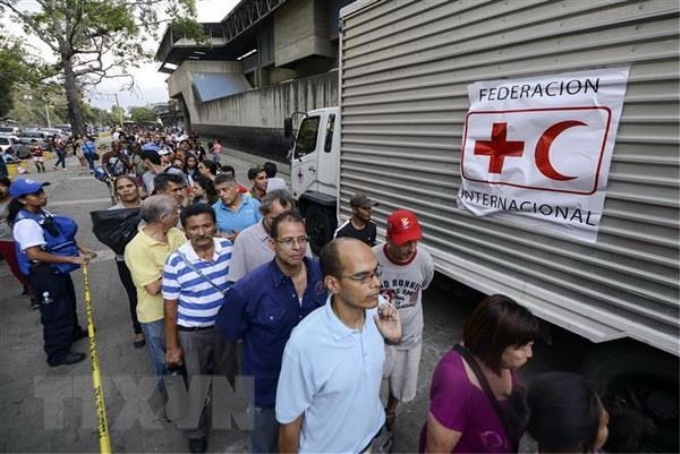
<point x="59" y="233"/>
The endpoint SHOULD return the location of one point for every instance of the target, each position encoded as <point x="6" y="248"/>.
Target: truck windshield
<point x="307" y="135"/>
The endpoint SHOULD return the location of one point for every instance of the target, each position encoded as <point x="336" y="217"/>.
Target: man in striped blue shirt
<point x="194" y="282"/>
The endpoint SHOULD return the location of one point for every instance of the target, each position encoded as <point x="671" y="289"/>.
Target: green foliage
<point x="97" y="39"/>
<point x="140" y="114"/>
<point x="17" y="68"/>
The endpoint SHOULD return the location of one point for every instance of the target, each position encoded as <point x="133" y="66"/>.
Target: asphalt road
<point x="51" y="409"/>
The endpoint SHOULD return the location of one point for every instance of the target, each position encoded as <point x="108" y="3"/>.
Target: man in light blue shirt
<point x="334" y="359"/>
<point x="234" y="212"/>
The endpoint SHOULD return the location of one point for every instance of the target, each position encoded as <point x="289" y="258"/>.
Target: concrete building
<point x="264" y="61"/>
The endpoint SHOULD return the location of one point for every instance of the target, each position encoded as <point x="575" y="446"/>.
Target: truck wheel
<point x="320" y="227"/>
<point x="646" y="381"/>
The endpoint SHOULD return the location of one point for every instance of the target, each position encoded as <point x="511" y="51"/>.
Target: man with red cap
<point x="406" y="271"/>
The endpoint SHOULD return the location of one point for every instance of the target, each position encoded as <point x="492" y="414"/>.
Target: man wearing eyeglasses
<point x="328" y="397"/>
<point x="407" y="271"/>
<point x="262" y="308"/>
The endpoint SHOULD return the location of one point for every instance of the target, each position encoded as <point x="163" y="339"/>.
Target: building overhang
<point x="235" y="35"/>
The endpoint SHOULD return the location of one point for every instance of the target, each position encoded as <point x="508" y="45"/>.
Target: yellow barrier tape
<point x="100" y="407"/>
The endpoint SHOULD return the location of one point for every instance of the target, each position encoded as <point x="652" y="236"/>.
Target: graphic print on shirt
<point x="401" y="293"/>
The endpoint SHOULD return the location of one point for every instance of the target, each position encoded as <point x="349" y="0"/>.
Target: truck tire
<point x="629" y="372"/>
<point x="321" y="224"/>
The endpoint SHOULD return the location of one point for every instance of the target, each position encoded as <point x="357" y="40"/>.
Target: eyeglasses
<point x="366" y="276"/>
<point x="289" y="242"/>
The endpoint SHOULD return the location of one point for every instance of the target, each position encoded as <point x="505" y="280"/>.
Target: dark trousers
<point x="205" y="353"/>
<point x="126" y="280"/>
<point x="59" y="318"/>
<point x="61" y="159"/>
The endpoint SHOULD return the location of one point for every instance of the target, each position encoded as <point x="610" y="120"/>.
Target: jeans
<point x="154" y="333"/>
<point x="90" y="160"/>
<point x="265" y="435"/>
<point x="61" y="155"/>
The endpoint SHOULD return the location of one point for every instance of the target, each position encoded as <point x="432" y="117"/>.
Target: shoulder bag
<point x="467" y="355"/>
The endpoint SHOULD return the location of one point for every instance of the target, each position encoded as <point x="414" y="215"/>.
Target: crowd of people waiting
<point x="221" y="281"/>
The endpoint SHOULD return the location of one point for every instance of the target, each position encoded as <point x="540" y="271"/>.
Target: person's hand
<point x="87" y="254"/>
<point x="388" y="322"/>
<point x="79" y="260"/>
<point x="232" y="236"/>
<point x="173" y="356"/>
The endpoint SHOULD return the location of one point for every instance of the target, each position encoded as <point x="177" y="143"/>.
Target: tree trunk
<point x="75" y="114"/>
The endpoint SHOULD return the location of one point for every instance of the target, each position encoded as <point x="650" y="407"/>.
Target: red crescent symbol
<point x="542" y="155"/>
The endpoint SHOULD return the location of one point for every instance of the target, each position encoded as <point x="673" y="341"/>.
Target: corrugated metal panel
<point x="405" y="70"/>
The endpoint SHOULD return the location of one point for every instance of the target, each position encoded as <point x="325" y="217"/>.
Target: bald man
<point x="334" y="359"/>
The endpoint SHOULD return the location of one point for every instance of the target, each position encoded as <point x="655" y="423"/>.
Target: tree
<point x="118" y="113"/>
<point x="96" y="39"/>
<point x="17" y="70"/>
<point x="141" y="114"/>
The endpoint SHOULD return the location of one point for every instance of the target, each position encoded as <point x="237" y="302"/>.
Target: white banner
<point x="537" y="151"/>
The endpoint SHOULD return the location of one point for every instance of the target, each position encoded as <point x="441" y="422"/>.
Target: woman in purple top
<point x="499" y="334"/>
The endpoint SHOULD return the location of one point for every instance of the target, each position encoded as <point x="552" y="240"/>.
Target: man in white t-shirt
<point x="407" y="271"/>
<point x="273" y="182"/>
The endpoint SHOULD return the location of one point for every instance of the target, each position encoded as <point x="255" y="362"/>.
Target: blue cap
<point x="24" y="186"/>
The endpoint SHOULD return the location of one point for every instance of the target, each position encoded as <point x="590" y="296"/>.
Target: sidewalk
<point x="48" y="409"/>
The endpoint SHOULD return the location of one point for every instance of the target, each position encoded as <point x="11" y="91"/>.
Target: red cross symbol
<point x="499" y="147"/>
<point x="300" y="175"/>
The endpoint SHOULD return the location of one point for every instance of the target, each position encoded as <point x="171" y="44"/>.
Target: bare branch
<point x="28" y="21"/>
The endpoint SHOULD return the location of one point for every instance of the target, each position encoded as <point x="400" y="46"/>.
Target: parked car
<point x="42" y="137"/>
<point x="9" y="130"/>
<point x="53" y="131"/>
<point x="7" y="142"/>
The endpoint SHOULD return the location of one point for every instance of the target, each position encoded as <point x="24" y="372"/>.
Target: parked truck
<point x="404" y="71"/>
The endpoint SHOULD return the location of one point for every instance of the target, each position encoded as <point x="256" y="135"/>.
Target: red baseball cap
<point x="402" y="227"/>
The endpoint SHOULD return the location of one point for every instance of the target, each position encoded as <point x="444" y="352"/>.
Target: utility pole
<point x="120" y="111"/>
<point x="47" y="114"/>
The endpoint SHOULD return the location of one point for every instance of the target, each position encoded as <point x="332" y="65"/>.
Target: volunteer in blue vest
<point x="47" y="252"/>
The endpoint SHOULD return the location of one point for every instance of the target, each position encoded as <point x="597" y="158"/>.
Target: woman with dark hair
<point x="563" y="413"/>
<point x="191" y="166"/>
<point x="472" y="383"/>
<point x="47" y="253"/>
<point x="204" y="191"/>
<point x="127" y="191"/>
<point x="208" y="168"/>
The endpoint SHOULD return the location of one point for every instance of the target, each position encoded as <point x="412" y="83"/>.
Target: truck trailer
<point x="399" y="131"/>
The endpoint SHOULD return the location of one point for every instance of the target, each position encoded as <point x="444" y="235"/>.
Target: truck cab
<point x="314" y="173"/>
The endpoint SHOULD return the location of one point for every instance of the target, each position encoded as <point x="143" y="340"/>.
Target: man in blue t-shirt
<point x="235" y="212"/>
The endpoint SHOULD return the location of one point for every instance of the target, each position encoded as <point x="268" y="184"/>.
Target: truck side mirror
<point x="288" y="127"/>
